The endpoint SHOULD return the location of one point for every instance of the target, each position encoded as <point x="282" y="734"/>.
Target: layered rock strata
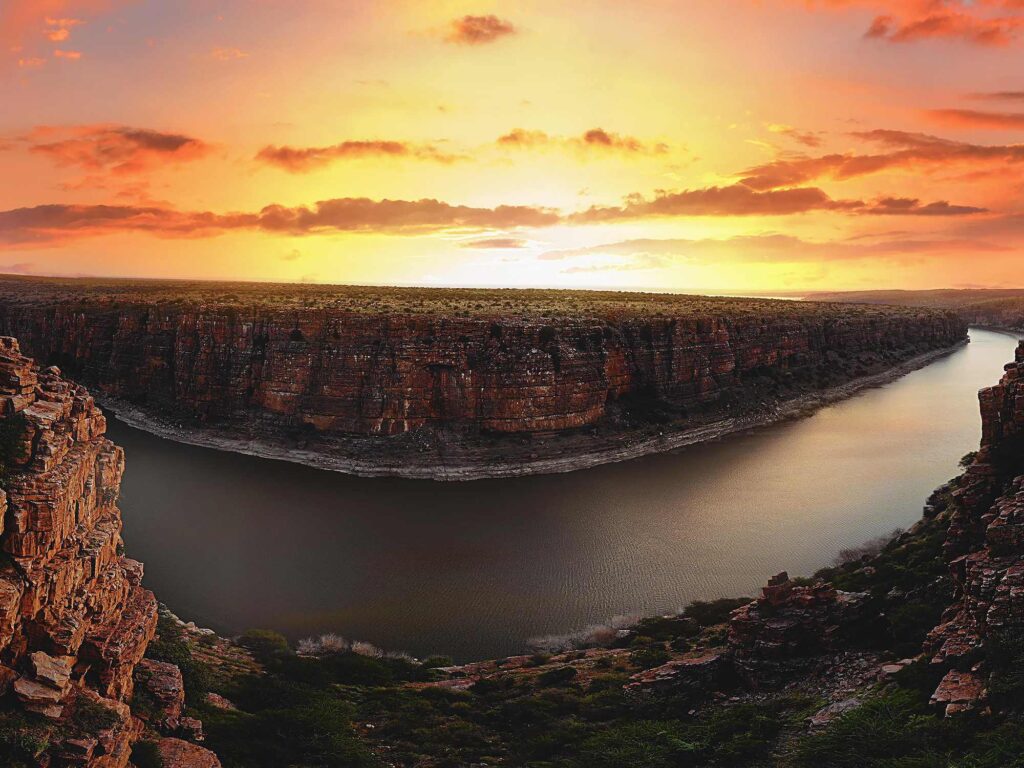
<point x="985" y="549"/>
<point x="451" y="384"/>
<point x="75" y="619"/>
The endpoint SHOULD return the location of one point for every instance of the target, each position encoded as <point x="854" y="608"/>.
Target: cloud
<point x="496" y="243"/>
<point x="950" y="25"/>
<point x="969" y="118"/>
<point x="29" y="27"/>
<point x="227" y="54"/>
<point x="18" y="268"/>
<point x="48" y="224"/>
<point x="910" y="151"/>
<point x="999" y="96"/>
<point x="73" y="55"/>
<point x="910" y="206"/>
<point x="293" y="255"/>
<point x="58" y="30"/>
<point x="478" y="30"/>
<point x="735" y="200"/>
<point x="596" y="139"/>
<point x="117" y="149"/>
<point x="764" y="248"/>
<point x="807" y="138"/>
<point x="975" y="22"/>
<point x="305" y="159"/>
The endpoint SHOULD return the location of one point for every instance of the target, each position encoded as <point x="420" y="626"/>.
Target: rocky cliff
<point x="985" y="549"/>
<point x="75" y="619"/>
<point x="459" y="376"/>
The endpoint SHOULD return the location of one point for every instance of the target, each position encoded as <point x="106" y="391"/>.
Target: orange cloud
<point x="228" y="54"/>
<point x="304" y="159"/>
<point x="741" y="200"/>
<point x="496" y="243"/>
<point x="772" y="248"/>
<point x="51" y="224"/>
<point x="735" y="200"/>
<point x="74" y="55"/>
<point x="807" y="138"/>
<point x="912" y="150"/>
<point x="118" y="149"/>
<point x="59" y="30"/>
<point x="970" y="118"/>
<point x="962" y="26"/>
<point x="23" y="23"/>
<point x="595" y="138"/>
<point x="478" y="30"/>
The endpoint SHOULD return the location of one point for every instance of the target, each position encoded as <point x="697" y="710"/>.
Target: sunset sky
<point x="694" y="145"/>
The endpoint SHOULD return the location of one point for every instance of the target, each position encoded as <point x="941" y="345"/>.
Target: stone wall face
<point x="385" y="374"/>
<point x="985" y="547"/>
<point x="74" y="618"/>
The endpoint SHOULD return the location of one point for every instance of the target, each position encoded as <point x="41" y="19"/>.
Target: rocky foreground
<point x="75" y="620"/>
<point x="453" y="384"/>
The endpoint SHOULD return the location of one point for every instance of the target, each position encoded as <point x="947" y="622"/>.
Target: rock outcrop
<point x="775" y="637"/>
<point x="75" y="619"/>
<point x="447" y="382"/>
<point x="985" y="549"/>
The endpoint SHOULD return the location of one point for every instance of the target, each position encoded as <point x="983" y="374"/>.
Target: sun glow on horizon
<point x="760" y="146"/>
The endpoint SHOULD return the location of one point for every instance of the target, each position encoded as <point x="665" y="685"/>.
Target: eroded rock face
<point x="74" y="617"/>
<point x="775" y="637"/>
<point x="985" y="547"/>
<point x="336" y="372"/>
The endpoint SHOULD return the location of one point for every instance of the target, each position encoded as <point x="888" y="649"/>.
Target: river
<point x="474" y="569"/>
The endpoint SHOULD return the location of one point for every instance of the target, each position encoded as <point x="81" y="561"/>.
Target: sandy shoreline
<point x="617" y="448"/>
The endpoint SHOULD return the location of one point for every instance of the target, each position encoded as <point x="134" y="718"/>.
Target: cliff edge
<point x="75" y="619"/>
<point x="455" y="384"/>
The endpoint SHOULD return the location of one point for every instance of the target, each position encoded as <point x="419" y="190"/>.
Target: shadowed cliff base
<point x="456" y="383"/>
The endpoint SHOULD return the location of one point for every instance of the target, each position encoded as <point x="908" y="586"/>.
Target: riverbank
<point x="563" y="453"/>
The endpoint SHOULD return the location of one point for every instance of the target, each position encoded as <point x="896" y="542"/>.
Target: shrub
<point x="709" y="613"/>
<point x="265" y="644"/>
<point x="557" y="676"/>
<point x="146" y="754"/>
<point x="883" y="732"/>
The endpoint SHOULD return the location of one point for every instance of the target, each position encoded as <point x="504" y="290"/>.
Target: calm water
<point x="474" y="569"/>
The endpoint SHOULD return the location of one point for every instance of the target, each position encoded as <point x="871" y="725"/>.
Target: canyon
<point x="455" y="384"/>
<point x="936" y="609"/>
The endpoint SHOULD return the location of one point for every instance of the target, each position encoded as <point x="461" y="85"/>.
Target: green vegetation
<point x="499" y="304"/>
<point x="145" y="754"/>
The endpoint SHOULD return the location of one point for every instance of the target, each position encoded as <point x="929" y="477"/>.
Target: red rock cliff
<point x="74" y="618"/>
<point x="985" y="546"/>
<point x="387" y="372"/>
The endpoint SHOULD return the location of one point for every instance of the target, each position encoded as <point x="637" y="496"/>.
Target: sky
<point x="692" y="145"/>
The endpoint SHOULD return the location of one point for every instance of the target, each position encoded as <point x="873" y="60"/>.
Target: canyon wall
<point x="75" y="619"/>
<point x="985" y="550"/>
<point x="327" y="371"/>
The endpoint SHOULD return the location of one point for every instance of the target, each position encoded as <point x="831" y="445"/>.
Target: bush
<point x="170" y="645"/>
<point x="264" y="644"/>
<point x="895" y="729"/>
<point x="145" y="754"/>
<point x="557" y="676"/>
<point x="709" y="613"/>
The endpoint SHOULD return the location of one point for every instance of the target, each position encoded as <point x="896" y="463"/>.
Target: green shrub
<point x="265" y="644"/>
<point x="648" y="658"/>
<point x="708" y="613"/>
<point x="896" y="729"/>
<point x="557" y="676"/>
<point x="145" y="754"/>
